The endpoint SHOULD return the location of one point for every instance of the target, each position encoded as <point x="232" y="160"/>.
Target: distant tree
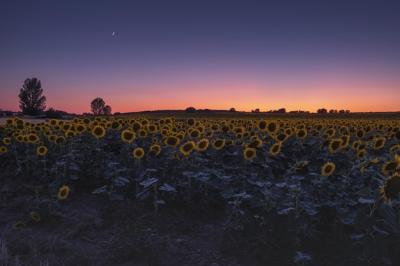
<point x="31" y="100"/>
<point x="347" y="111"/>
<point x="322" y="111"/>
<point x="281" y="110"/>
<point x="190" y="109"/>
<point x="97" y="106"/>
<point x="257" y="110"/>
<point x="342" y="111"/>
<point x="333" y="111"/>
<point x="107" y="110"/>
<point x="232" y="110"/>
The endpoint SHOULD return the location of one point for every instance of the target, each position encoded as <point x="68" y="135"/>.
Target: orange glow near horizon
<point x="243" y="95"/>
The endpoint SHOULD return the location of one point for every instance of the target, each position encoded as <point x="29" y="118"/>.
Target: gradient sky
<point x="207" y="54"/>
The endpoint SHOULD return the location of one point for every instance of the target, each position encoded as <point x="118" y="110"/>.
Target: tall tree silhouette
<point x="99" y="107"/>
<point x="107" y="110"/>
<point x="31" y="100"/>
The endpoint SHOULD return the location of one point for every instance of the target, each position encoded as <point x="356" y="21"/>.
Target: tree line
<point x="33" y="102"/>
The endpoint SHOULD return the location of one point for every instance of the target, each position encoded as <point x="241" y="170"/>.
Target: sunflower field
<point x="298" y="180"/>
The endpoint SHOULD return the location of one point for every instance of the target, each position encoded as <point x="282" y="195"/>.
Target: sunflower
<point x="202" y="145"/>
<point x="195" y="133"/>
<point x="3" y="149"/>
<point x="356" y="144"/>
<point x="33" y="138"/>
<point x="301" y="167"/>
<point x="80" y="128"/>
<point x="229" y="142"/>
<point x="361" y="153"/>
<point x="19" y="225"/>
<point x="389" y="168"/>
<point x="172" y="141"/>
<point x="155" y="150"/>
<point x="128" y="136"/>
<point x="390" y="188"/>
<point x="152" y="128"/>
<point x="63" y="192"/>
<point x="191" y="121"/>
<point x="98" y="132"/>
<point x="360" y="133"/>
<point x="301" y="133"/>
<point x="281" y="137"/>
<point x="328" y="168"/>
<point x="187" y="148"/>
<point x="60" y="139"/>
<point x="334" y="145"/>
<point x="138" y="153"/>
<point x="249" y="153"/>
<point x="7" y="141"/>
<point x="218" y="144"/>
<point x="275" y="149"/>
<point x="35" y="216"/>
<point x="379" y="143"/>
<point x="69" y="134"/>
<point x="262" y="125"/>
<point x="116" y="125"/>
<point x="395" y="148"/>
<point x="41" y="150"/>
<point x="272" y="127"/>
<point x="142" y="133"/>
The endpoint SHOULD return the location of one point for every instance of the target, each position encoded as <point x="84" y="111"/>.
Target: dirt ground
<point x="90" y="230"/>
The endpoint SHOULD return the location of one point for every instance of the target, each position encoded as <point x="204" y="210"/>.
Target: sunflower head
<point x="360" y="133"/>
<point x="172" y="141"/>
<point x="155" y="150"/>
<point x="328" y="168"/>
<point x="3" y="149"/>
<point x="202" y="145"/>
<point x="275" y="149"/>
<point x="361" y="153"/>
<point x="191" y="122"/>
<point x="262" y="125"/>
<point x="272" y="127"/>
<point x="301" y="133"/>
<point x="142" y="133"/>
<point x="390" y="167"/>
<point x="301" y="167"/>
<point x="195" y="133"/>
<point x="390" y="188"/>
<point x="249" y="153"/>
<point x="7" y="141"/>
<point x="41" y="150"/>
<point x="80" y="128"/>
<point x="138" y="153"/>
<point x="281" y="137"/>
<point x="356" y="144"/>
<point x="187" y="148"/>
<point x="60" y="139"/>
<point x="255" y="143"/>
<point x="19" y="225"/>
<point x="98" y="132"/>
<point x="379" y="143"/>
<point x="218" y="144"/>
<point x="33" y="138"/>
<point x="63" y="192"/>
<point x="128" y="136"/>
<point x="334" y="145"/>
<point x="35" y="216"/>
